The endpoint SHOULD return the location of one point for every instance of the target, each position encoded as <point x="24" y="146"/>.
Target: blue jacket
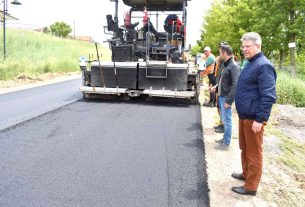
<point x="256" y="89"/>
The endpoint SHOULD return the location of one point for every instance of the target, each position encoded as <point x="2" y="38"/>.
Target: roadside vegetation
<point x="278" y="22"/>
<point x="32" y="53"/>
<point x="290" y="90"/>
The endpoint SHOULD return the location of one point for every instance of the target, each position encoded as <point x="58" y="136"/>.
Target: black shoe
<point x="223" y="147"/>
<point x="243" y="191"/>
<point x="209" y="104"/>
<point x="219" y="130"/>
<point x="238" y="176"/>
<point x="219" y="141"/>
<point x="218" y="126"/>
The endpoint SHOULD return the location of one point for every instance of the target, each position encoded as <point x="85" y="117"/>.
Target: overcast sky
<point x="90" y="15"/>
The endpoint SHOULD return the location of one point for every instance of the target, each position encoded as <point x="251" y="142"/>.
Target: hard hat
<point x="207" y="49"/>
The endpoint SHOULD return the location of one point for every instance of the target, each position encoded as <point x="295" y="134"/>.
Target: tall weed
<point x="32" y="53"/>
<point x="301" y="66"/>
<point x="290" y="90"/>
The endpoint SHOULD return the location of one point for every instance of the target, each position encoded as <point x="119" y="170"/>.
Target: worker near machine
<point x="209" y="70"/>
<point x="173" y="24"/>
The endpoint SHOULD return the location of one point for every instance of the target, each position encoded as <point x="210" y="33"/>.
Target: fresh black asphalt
<point x="110" y="153"/>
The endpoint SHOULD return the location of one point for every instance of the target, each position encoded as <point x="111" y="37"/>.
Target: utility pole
<point x="4" y="28"/>
<point x="15" y="2"/>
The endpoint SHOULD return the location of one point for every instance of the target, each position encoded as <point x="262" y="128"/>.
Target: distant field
<point x="33" y="53"/>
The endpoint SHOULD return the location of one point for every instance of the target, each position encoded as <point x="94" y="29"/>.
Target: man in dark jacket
<point x="226" y="92"/>
<point x="254" y="97"/>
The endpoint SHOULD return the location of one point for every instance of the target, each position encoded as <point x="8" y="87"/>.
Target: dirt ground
<point x="279" y="186"/>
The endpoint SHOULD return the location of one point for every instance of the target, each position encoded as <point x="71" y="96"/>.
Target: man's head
<point x="207" y="51"/>
<point x="219" y="46"/>
<point x="225" y="52"/>
<point x="251" y="44"/>
<point x="222" y="43"/>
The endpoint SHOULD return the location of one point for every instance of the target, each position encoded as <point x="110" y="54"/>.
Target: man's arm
<point x="234" y="72"/>
<point x="267" y="91"/>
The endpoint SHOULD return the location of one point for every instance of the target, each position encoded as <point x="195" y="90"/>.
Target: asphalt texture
<point x="22" y="105"/>
<point x="109" y="153"/>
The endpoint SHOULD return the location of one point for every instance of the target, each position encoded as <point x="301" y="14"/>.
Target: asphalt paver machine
<point x="145" y="60"/>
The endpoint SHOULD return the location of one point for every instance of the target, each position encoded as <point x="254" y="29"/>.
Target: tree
<point x="226" y="21"/>
<point x="60" y="29"/>
<point x="195" y="49"/>
<point x="285" y="22"/>
<point x="277" y="21"/>
<point x="46" y="30"/>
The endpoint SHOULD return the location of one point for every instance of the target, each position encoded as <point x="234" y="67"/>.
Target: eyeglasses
<point x="246" y="46"/>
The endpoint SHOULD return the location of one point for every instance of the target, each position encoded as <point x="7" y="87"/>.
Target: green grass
<point x="290" y="90"/>
<point x="293" y="151"/>
<point x="33" y="53"/>
<point x="293" y="154"/>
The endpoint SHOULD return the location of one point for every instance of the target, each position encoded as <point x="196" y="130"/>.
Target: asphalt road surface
<point x="19" y="106"/>
<point x="108" y="153"/>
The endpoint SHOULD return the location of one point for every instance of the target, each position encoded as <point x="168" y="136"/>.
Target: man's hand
<point x="212" y="88"/>
<point x="226" y="105"/>
<point x="257" y="127"/>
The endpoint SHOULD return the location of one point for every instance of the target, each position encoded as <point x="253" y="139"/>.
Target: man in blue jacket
<point x="255" y="94"/>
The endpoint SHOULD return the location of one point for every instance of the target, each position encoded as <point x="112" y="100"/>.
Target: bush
<point x="60" y="29"/>
<point x="290" y="90"/>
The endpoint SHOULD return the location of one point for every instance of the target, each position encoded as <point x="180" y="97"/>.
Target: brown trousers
<point x="251" y="145"/>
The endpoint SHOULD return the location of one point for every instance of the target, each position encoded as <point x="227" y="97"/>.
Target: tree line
<point x="279" y="22"/>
